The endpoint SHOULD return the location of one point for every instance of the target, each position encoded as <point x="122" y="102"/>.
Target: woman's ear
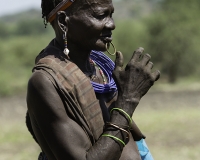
<point x="62" y="20"/>
<point x="61" y="16"/>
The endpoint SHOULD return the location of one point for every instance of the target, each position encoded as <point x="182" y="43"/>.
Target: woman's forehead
<point x="97" y="4"/>
<point x="98" y="1"/>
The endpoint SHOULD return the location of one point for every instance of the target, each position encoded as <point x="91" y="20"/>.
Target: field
<point x="169" y="119"/>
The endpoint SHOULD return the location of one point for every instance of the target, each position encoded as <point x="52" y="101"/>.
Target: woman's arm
<point x="59" y="136"/>
<point x="133" y="82"/>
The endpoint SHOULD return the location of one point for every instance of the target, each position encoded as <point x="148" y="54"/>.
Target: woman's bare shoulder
<point x="39" y="81"/>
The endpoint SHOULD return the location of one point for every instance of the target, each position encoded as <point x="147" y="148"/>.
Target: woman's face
<point x="90" y="28"/>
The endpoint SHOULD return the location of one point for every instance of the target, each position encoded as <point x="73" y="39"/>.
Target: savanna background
<point x="168" y="114"/>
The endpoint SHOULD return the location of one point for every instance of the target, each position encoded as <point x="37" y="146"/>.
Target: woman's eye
<point x="104" y="15"/>
<point x="100" y="16"/>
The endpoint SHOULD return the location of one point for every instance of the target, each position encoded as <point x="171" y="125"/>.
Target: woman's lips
<point x="106" y="38"/>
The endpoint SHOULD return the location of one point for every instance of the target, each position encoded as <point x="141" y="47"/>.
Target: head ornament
<point x="60" y="7"/>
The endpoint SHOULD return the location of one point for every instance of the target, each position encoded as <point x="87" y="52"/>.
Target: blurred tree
<point x="4" y="32"/>
<point x="32" y="27"/>
<point x="129" y="37"/>
<point x="173" y="32"/>
<point x="171" y="35"/>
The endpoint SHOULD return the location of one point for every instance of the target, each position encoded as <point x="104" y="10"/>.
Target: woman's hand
<point x="135" y="80"/>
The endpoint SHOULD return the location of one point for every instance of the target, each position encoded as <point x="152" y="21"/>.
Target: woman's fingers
<point x="156" y="75"/>
<point x="150" y="65"/>
<point x="137" y="54"/>
<point x="119" y="61"/>
<point x="145" y="59"/>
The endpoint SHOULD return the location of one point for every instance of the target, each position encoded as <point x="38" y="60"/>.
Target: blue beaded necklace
<point x="107" y="66"/>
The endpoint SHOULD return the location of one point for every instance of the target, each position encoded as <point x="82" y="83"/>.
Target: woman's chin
<point x="100" y="46"/>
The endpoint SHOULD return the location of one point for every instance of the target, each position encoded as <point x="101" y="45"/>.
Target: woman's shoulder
<point x="39" y="82"/>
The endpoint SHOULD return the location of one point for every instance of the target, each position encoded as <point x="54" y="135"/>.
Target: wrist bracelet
<point x="121" y="129"/>
<point x="115" y="138"/>
<point x="126" y="114"/>
<point x="126" y="127"/>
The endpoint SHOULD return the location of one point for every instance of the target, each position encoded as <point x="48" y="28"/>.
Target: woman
<point x="65" y="116"/>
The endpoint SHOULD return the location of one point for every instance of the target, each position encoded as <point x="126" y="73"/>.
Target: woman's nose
<point x="110" y="24"/>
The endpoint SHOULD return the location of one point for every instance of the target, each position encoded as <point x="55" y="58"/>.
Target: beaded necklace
<point x="107" y="66"/>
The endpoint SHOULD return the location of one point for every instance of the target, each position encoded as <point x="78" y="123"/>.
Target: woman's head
<point x="89" y="22"/>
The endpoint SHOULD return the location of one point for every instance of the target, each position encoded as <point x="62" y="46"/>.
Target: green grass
<point x="16" y="143"/>
<point x="171" y="133"/>
<point x="169" y="119"/>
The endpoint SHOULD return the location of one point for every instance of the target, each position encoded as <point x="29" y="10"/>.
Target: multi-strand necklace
<point x="107" y="66"/>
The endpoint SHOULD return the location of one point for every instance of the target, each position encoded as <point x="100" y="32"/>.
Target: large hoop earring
<point x="112" y="54"/>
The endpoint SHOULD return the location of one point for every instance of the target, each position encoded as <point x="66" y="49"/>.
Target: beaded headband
<point x="60" y="7"/>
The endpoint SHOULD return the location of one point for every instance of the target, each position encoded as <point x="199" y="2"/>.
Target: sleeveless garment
<point x="75" y="90"/>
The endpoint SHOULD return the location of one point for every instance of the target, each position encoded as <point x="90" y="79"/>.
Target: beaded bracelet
<point x="126" y="114"/>
<point x="115" y="138"/>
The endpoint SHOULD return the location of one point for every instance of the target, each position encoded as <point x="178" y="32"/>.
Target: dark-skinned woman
<point x="80" y="103"/>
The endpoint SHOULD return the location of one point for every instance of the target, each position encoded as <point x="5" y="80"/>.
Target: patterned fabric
<point x="75" y="89"/>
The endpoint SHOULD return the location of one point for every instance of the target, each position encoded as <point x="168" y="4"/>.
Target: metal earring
<point x="112" y="54"/>
<point x="64" y="29"/>
<point x="66" y="50"/>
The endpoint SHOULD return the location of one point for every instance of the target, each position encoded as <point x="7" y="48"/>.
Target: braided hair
<point x="47" y="6"/>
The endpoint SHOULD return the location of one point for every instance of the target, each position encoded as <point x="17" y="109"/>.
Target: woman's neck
<point x="78" y="56"/>
<point x="82" y="61"/>
<point x="81" y="58"/>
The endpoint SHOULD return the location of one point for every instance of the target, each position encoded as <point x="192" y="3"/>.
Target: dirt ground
<point x="160" y="100"/>
<point x="13" y="109"/>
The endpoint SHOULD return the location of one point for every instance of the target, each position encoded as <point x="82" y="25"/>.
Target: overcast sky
<point x="13" y="6"/>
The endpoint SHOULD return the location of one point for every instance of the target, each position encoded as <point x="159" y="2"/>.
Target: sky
<point x="13" y="6"/>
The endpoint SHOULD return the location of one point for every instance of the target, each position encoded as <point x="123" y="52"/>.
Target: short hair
<point x="48" y="5"/>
